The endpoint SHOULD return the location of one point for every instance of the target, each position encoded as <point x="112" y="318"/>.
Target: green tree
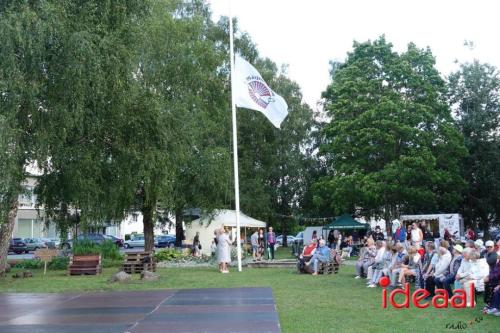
<point x="24" y="30"/>
<point x="475" y="97"/>
<point x="147" y="134"/>
<point x="392" y="146"/>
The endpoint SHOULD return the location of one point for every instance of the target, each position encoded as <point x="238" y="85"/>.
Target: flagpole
<point x="235" y="142"/>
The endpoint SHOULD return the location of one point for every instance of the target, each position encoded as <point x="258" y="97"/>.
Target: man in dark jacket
<point x="448" y="280"/>
<point x="378" y="234"/>
<point x="491" y="259"/>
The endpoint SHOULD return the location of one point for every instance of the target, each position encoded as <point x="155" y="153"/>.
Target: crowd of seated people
<point x="433" y="263"/>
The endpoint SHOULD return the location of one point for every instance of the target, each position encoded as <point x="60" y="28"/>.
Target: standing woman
<point x="224" y="254"/>
<point x="261" y="241"/>
<point x="217" y="233"/>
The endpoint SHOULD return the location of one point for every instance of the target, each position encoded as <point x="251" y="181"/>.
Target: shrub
<point x="109" y="250"/>
<point x="58" y="263"/>
<point x="168" y="255"/>
<point x="29" y="264"/>
<point x="107" y="263"/>
<point x="85" y="247"/>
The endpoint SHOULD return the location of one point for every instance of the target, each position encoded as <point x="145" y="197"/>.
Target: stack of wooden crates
<point x="136" y="262"/>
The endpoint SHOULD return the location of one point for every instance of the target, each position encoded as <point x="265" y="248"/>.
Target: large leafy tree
<point x="392" y="146"/>
<point x="144" y="128"/>
<point x="25" y="30"/>
<point x="475" y="97"/>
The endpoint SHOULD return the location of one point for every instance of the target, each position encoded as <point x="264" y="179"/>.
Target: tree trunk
<point x="179" y="231"/>
<point x="6" y="233"/>
<point x="283" y="232"/>
<point x="485" y="226"/>
<point x="148" y="213"/>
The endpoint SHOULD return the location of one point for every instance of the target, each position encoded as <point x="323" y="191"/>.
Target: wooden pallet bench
<point x="136" y="262"/>
<point x="329" y="267"/>
<point x="85" y="265"/>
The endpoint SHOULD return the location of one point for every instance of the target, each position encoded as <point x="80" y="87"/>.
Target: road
<point x="30" y="255"/>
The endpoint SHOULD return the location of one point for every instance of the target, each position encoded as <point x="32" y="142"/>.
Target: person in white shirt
<point x="443" y="264"/>
<point x="472" y="270"/>
<point x="416" y="235"/>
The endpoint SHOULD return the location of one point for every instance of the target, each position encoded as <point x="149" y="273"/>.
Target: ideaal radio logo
<point x="439" y="301"/>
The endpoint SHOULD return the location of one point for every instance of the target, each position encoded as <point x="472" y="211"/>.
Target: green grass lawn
<point x="334" y="303"/>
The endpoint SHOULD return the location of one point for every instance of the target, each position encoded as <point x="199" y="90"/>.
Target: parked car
<point x="18" y="246"/>
<point x="118" y="241"/>
<point x="56" y="242"/>
<point x="299" y="238"/>
<point x="165" y="241"/>
<point x="34" y="244"/>
<point x="134" y="241"/>
<point x="289" y="239"/>
<point x="94" y="238"/>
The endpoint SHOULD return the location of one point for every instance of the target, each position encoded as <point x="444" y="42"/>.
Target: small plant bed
<point x="182" y="258"/>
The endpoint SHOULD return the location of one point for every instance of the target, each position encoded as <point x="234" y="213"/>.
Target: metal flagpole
<point x="235" y="142"/>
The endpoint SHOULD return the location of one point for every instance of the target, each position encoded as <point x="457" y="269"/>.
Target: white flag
<point x="252" y="92"/>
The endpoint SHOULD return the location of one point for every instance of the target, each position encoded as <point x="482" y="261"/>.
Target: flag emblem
<point x="260" y="93"/>
<point x="252" y="92"/>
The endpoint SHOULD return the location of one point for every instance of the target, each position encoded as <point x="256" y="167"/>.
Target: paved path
<point x="190" y="310"/>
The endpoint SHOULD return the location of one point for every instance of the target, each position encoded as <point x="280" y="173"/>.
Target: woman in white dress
<point x="223" y="251"/>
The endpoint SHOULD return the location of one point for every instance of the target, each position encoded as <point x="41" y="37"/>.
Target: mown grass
<point x="334" y="303"/>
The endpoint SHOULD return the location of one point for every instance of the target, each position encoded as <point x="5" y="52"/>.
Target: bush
<point x="58" y="263"/>
<point x="29" y="264"/>
<point x="107" y="263"/>
<point x="168" y="255"/>
<point x="85" y="247"/>
<point x="109" y="250"/>
<point x="127" y="237"/>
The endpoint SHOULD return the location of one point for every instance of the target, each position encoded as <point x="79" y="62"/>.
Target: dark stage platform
<point x="163" y="311"/>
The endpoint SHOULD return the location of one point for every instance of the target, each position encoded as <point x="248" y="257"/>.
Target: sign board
<point x="46" y="255"/>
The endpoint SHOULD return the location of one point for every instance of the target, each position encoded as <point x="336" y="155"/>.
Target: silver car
<point x="34" y="244"/>
<point x="134" y="241"/>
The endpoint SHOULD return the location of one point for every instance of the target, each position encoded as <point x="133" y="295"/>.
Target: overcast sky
<point x="307" y="34"/>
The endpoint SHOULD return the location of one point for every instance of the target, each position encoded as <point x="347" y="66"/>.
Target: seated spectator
<point x="322" y="254"/>
<point x="491" y="258"/>
<point x="441" y="269"/>
<point x="378" y="234"/>
<point x="493" y="280"/>
<point x="470" y="244"/>
<point x="471" y="271"/>
<point x="381" y="267"/>
<point x="429" y="261"/>
<point x="366" y="258"/>
<point x="380" y="245"/>
<point x="447" y="280"/>
<point x="397" y="262"/>
<point x="346" y="247"/>
<point x="479" y="245"/>
<point x="307" y="254"/>
<point x="412" y="267"/>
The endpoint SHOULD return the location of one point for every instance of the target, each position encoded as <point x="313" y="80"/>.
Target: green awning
<point x="346" y="222"/>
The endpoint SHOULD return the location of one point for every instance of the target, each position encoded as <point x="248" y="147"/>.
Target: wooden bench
<point x="136" y="262"/>
<point x="329" y="267"/>
<point x="85" y="265"/>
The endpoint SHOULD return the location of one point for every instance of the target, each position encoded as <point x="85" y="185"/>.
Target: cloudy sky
<point x="307" y="34"/>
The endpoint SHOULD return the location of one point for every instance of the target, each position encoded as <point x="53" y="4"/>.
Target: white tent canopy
<point x="206" y="226"/>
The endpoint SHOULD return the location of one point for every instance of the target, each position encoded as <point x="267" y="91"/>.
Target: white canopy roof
<point x="228" y="218"/>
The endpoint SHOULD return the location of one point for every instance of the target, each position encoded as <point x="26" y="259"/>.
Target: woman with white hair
<point x="471" y="271"/>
